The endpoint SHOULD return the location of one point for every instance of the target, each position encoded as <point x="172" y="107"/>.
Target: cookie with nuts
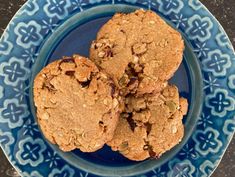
<point x="139" y="50"/>
<point x="150" y="125"/>
<point x="77" y="104"/>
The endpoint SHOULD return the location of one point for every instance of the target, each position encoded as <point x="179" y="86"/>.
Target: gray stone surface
<point x="224" y="11"/>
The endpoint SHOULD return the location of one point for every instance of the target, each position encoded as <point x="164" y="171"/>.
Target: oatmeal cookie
<point x="77" y="104"/>
<point x="150" y="125"/>
<point x="139" y="50"/>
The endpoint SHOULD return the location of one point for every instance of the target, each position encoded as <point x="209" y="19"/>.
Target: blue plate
<point x="48" y="29"/>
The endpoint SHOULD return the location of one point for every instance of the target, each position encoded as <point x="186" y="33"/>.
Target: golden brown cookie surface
<point x="139" y="50"/>
<point x="151" y="125"/>
<point x="77" y="104"/>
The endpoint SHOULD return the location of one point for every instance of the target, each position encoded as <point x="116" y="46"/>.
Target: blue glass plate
<point x="45" y="30"/>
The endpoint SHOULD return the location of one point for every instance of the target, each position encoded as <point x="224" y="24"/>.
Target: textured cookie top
<point x="77" y="104"/>
<point x="150" y="125"/>
<point x="139" y="50"/>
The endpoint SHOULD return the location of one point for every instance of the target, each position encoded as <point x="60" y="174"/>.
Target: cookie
<point x="139" y="50"/>
<point x="77" y="104"/>
<point x="150" y="125"/>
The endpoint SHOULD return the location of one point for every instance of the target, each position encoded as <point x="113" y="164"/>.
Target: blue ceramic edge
<point x="230" y="131"/>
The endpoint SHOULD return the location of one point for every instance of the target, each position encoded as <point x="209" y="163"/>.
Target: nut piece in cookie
<point x="77" y="104"/>
<point x="139" y="50"/>
<point x="150" y="125"/>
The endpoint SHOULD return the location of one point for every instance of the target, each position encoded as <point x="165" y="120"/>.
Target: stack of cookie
<point x="122" y="97"/>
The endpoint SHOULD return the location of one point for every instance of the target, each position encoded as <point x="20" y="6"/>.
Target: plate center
<point x="75" y="37"/>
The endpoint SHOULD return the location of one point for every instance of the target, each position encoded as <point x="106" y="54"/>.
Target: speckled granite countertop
<point x="224" y="11"/>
